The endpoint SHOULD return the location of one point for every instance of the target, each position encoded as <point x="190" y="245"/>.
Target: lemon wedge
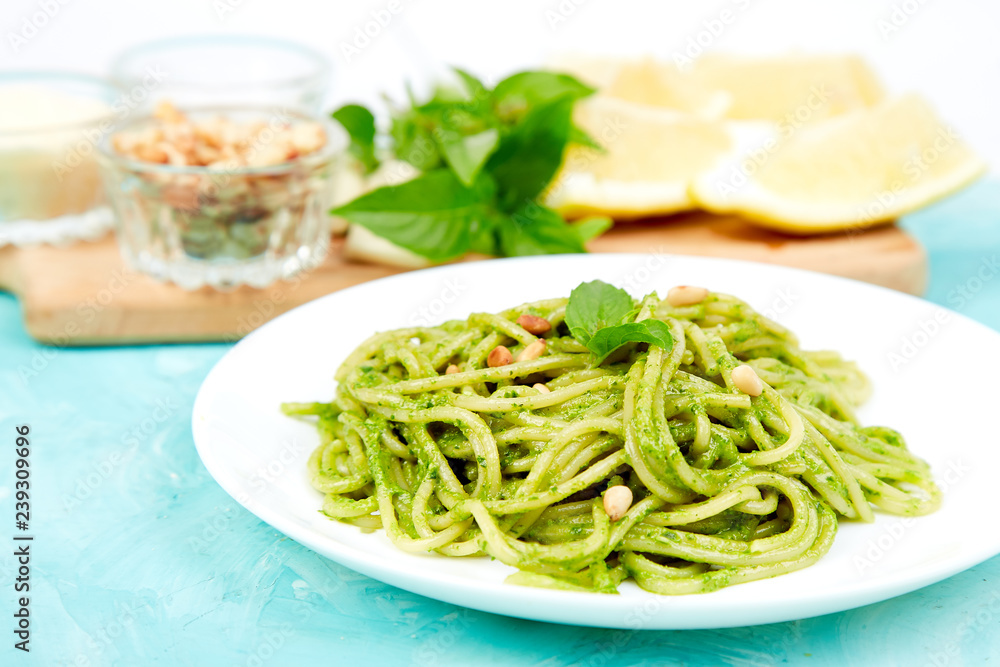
<point x="847" y="172"/>
<point x="664" y="85"/>
<point x="791" y="89"/>
<point x="592" y="69"/>
<point x="646" y="81"/>
<point x="651" y="158"/>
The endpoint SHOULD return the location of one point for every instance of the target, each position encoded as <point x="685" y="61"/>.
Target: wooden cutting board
<point x="83" y="295"/>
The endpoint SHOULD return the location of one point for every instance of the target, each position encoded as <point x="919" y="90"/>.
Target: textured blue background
<point x="141" y="558"/>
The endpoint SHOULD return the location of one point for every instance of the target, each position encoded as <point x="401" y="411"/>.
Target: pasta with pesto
<point x="725" y="456"/>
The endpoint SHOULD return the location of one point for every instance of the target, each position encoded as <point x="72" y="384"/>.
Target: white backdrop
<point x="949" y="51"/>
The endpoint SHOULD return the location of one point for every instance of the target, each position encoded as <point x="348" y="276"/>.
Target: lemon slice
<point x="663" y="85"/>
<point x="594" y="70"/>
<point x="850" y="171"/>
<point x="646" y="81"/>
<point x="791" y="89"/>
<point x="651" y="158"/>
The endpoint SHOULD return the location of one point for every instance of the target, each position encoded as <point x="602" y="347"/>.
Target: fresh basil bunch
<point x="486" y="156"/>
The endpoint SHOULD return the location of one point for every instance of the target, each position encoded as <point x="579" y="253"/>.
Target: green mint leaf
<point x="432" y="215"/>
<point x="518" y="93"/>
<point x="536" y="230"/>
<point x="531" y="153"/>
<point x="466" y="155"/>
<point x="594" y="306"/>
<point x="609" y="339"/>
<point x="590" y="228"/>
<point x="360" y="125"/>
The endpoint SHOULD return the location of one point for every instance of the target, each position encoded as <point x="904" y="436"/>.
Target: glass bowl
<point x="50" y="126"/>
<point x="225" y="70"/>
<point x="223" y="226"/>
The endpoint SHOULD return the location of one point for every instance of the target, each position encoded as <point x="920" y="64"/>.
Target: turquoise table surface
<point x="140" y="558"/>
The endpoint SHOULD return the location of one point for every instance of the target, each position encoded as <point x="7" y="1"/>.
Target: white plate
<point x="935" y="375"/>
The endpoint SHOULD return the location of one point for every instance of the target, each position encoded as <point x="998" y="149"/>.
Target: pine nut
<point x="181" y="141"/>
<point x="686" y="295"/>
<point x="617" y="500"/>
<point x="541" y="388"/>
<point x="533" y="351"/>
<point x="452" y="368"/>
<point x="499" y="356"/>
<point x="746" y="380"/>
<point x="534" y="324"/>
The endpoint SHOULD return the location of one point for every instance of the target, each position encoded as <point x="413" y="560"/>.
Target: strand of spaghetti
<point x="449" y="488"/>
<point x="512" y="551"/>
<point x="656" y="578"/>
<point x="448" y="348"/>
<point x="840" y="469"/>
<point x="566" y="466"/>
<point x="539" y="400"/>
<point x="738" y="492"/>
<point x="508" y="372"/>
<point x="593" y="474"/>
<point x="724" y="551"/>
<point x="429" y="538"/>
<point x="543" y="463"/>
<point x="502" y="325"/>
<point x="338" y="507"/>
<point x="792" y="443"/>
<point x="556" y="308"/>
<point x="895" y="500"/>
<point x="479" y="433"/>
<point x="843" y="438"/>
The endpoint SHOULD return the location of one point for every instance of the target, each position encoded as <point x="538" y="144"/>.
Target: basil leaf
<point x="594" y="306"/>
<point x="597" y="315"/>
<point x="414" y="143"/>
<point x="360" y="125"/>
<point x="590" y="228"/>
<point x="467" y="155"/>
<point x="577" y="135"/>
<point x="447" y="127"/>
<point x="483" y="234"/>
<point x="531" y="153"/>
<point x="537" y="230"/>
<point x="519" y="92"/>
<point x="609" y="339"/>
<point x="477" y="91"/>
<point x="432" y="215"/>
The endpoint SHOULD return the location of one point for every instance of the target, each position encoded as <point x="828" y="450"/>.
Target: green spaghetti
<point x="687" y="443"/>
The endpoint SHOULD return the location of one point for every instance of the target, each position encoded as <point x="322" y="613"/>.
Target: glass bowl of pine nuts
<point x="222" y="197"/>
